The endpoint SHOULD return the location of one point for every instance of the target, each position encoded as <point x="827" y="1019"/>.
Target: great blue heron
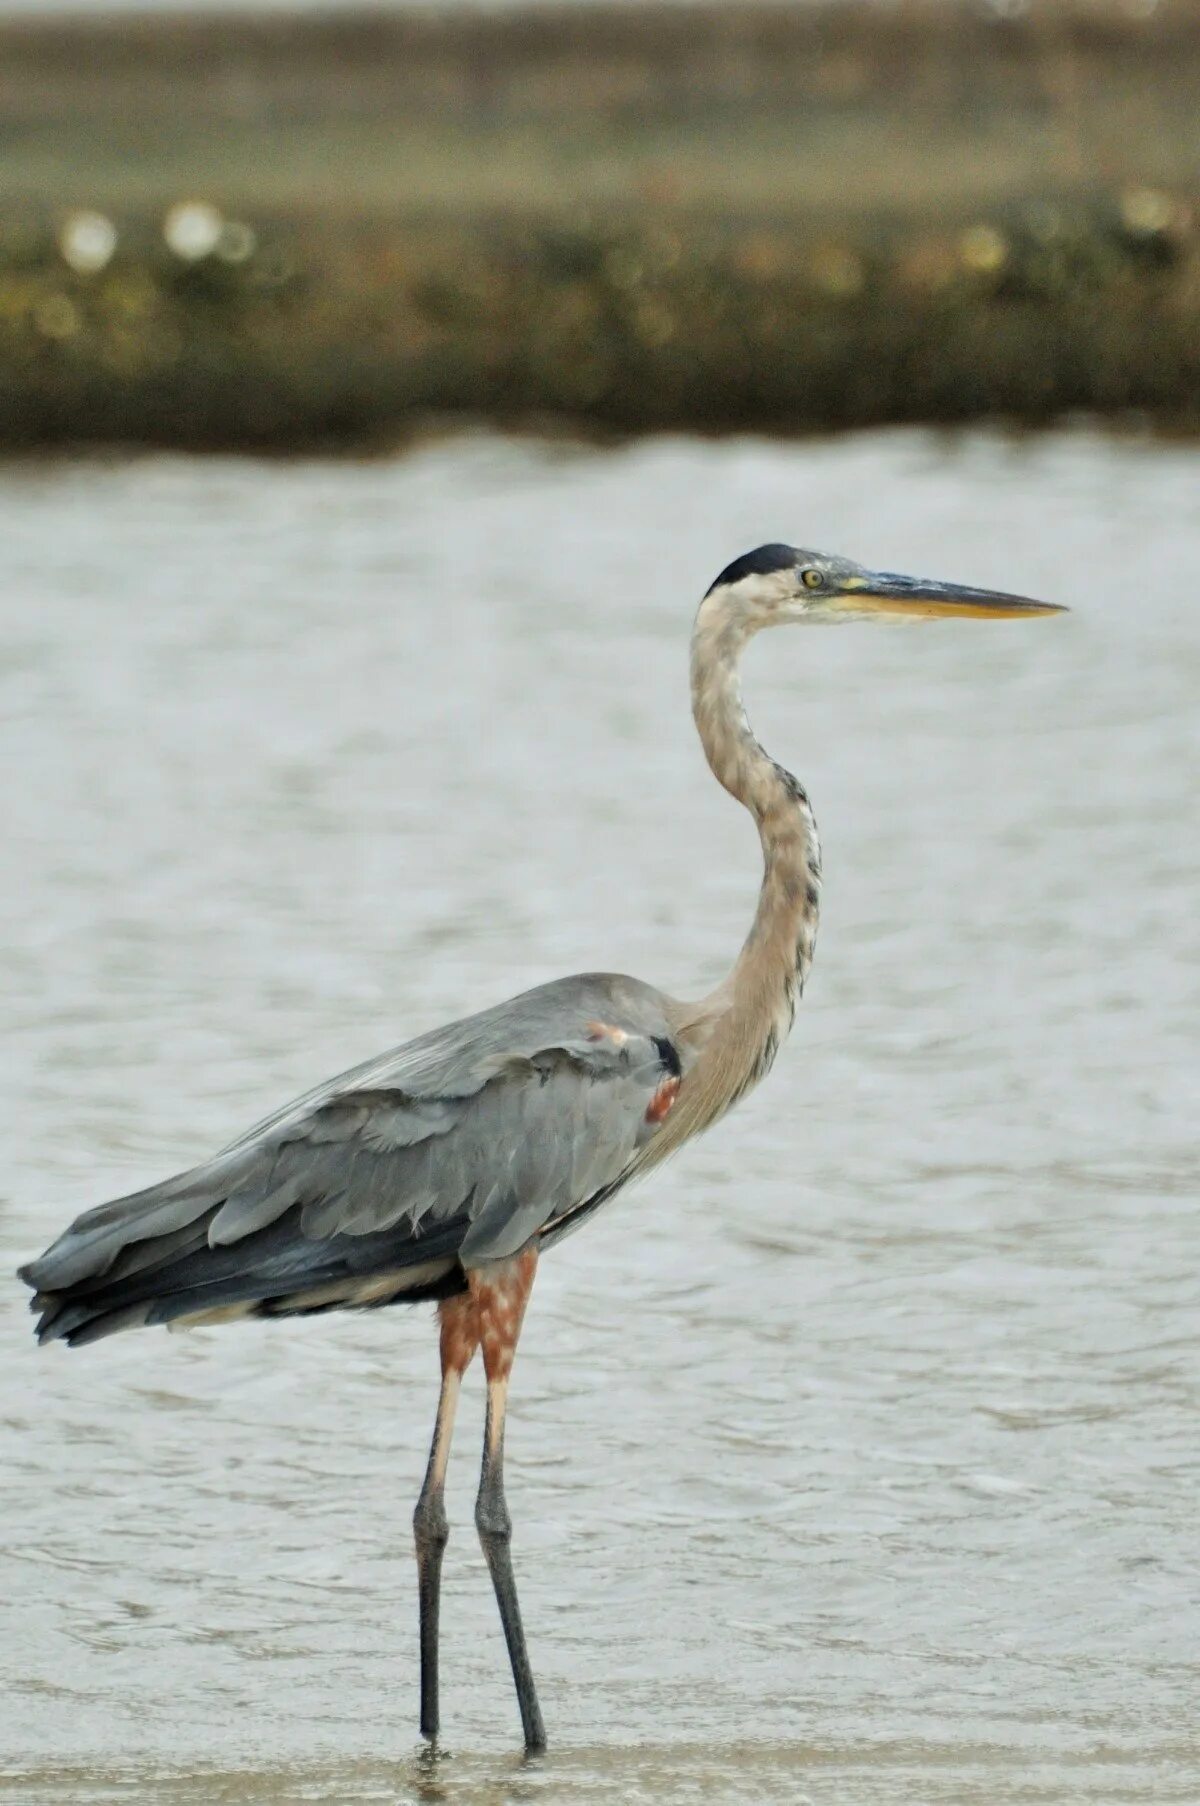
<point x="441" y="1170"/>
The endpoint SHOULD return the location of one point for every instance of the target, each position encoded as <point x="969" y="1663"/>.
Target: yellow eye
<point x="811" y="579"/>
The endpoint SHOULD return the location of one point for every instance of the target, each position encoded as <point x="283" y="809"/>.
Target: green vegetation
<point x="785" y="219"/>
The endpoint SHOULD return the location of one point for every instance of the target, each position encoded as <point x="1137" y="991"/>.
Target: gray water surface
<point x="854" y="1459"/>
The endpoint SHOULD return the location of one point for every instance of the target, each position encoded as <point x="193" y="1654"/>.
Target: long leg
<point x="501" y="1293"/>
<point x="459" y="1339"/>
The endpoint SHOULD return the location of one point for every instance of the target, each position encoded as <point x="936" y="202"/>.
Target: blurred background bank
<point x="295" y="226"/>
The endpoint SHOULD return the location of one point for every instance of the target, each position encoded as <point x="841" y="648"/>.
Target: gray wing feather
<point x="466" y="1140"/>
<point x="596" y="1098"/>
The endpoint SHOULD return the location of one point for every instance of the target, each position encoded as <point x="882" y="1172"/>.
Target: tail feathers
<point x="106" y="1324"/>
<point x="85" y="1321"/>
<point x="179" y="1276"/>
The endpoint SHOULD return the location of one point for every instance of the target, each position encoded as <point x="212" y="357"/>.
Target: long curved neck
<point x="738" y="1029"/>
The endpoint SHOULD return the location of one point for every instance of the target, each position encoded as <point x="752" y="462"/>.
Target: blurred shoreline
<point x="279" y="233"/>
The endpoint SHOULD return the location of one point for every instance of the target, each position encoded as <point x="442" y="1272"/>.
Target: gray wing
<point x="453" y="1149"/>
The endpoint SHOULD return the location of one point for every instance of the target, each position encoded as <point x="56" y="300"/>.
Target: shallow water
<point x="854" y="1458"/>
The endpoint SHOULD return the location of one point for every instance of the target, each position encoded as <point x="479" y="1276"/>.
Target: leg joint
<point x="491" y="1515"/>
<point x="431" y="1526"/>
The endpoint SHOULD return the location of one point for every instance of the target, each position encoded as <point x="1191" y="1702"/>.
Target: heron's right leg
<point x="502" y="1292"/>
<point x="459" y="1340"/>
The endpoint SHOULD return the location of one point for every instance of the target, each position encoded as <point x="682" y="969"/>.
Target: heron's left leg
<point x="501" y="1292"/>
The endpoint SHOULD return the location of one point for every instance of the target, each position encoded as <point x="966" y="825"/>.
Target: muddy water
<point x="854" y="1459"/>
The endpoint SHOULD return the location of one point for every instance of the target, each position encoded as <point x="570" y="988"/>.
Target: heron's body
<point x="385" y="1183"/>
<point x="443" y="1169"/>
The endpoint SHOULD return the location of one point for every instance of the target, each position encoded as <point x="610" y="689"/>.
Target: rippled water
<point x="854" y="1458"/>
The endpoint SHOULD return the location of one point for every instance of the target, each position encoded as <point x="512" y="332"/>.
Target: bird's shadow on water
<point x="438" y="1778"/>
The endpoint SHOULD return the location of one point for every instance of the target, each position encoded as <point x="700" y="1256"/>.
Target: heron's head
<point x="778" y="583"/>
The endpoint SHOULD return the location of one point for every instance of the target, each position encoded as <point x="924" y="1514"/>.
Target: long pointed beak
<point x="886" y="593"/>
